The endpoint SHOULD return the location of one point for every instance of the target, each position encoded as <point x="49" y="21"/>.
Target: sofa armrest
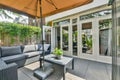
<point x="9" y="72"/>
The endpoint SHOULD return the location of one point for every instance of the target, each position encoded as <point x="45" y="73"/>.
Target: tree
<point x="5" y="14"/>
<point x="20" y="19"/>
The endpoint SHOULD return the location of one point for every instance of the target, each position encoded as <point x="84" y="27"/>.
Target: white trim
<point x="91" y="5"/>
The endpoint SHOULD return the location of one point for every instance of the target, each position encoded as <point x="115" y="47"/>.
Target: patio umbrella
<point x="41" y="8"/>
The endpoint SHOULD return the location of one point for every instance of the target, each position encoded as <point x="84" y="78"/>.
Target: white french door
<point x="65" y="39"/>
<point x="87" y="42"/>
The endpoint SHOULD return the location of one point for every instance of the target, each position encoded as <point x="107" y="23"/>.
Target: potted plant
<point x="58" y="53"/>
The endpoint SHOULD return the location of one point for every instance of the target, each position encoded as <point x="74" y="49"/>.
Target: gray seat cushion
<point x="8" y="51"/>
<point x="46" y="47"/>
<point x="13" y="58"/>
<point x="29" y="48"/>
<point x="32" y="54"/>
<point x="38" y="47"/>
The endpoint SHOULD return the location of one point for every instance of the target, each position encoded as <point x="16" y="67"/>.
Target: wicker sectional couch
<point x="15" y="57"/>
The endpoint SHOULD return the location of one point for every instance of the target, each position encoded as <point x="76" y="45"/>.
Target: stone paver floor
<point x="84" y="69"/>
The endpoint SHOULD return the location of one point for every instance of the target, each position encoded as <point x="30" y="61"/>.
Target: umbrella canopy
<point x="49" y="7"/>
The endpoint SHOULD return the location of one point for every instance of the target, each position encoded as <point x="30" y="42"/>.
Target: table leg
<point x="64" y="71"/>
<point x="73" y="64"/>
<point x="40" y="63"/>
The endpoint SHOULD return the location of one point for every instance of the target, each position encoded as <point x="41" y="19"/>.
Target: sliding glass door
<point x="116" y="41"/>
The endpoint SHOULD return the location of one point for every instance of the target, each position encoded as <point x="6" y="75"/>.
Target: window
<point x="105" y="37"/>
<point x="62" y="22"/>
<point x="96" y="14"/>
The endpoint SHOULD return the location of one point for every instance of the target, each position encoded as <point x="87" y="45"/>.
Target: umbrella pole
<point x="41" y="25"/>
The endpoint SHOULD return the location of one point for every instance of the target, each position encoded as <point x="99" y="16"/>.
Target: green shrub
<point x="15" y="30"/>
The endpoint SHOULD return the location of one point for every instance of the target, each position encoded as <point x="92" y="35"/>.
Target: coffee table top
<point x="63" y="61"/>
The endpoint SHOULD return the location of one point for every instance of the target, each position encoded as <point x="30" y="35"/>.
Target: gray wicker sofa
<point x="15" y="57"/>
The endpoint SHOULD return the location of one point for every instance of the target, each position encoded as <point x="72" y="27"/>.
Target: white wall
<point x="94" y="4"/>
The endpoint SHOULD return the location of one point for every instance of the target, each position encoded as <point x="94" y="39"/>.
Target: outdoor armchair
<point x="8" y="71"/>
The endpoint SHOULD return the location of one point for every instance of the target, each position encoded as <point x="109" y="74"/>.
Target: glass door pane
<point x="65" y="38"/>
<point x="87" y="38"/>
<point x="74" y="39"/>
<point x="48" y="36"/>
<point x="57" y="37"/>
<point x="105" y="37"/>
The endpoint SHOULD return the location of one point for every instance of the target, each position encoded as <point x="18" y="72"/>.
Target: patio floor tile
<point x="84" y="69"/>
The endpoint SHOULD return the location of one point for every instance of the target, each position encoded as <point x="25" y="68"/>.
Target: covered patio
<point x="84" y="70"/>
<point x="22" y="61"/>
